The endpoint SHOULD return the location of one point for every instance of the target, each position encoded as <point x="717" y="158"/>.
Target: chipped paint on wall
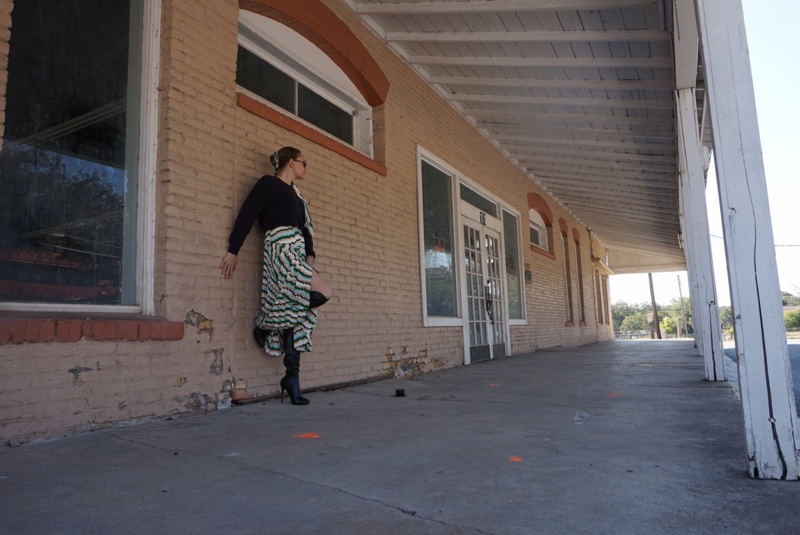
<point x="403" y="365"/>
<point x="200" y="322"/>
<point x="76" y="373"/>
<point x="217" y="366"/>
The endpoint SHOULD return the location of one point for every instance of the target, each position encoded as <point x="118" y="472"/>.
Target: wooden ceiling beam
<point x="600" y="132"/>
<point x="532" y="83"/>
<point x="591" y="165"/>
<point x="622" y="179"/>
<point x="586" y="142"/>
<point x="568" y="116"/>
<point x="664" y="62"/>
<point x="600" y="154"/>
<point x="495" y="6"/>
<point x="532" y="36"/>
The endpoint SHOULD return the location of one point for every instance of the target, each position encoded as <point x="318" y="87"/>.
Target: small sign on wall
<point x="528" y="275"/>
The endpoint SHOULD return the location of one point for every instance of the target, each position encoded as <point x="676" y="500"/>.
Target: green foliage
<point x="669" y="326"/>
<point x="792" y="319"/>
<point x="726" y="319"/>
<point x="622" y="310"/>
<point x="635" y="322"/>
<point x="789" y="299"/>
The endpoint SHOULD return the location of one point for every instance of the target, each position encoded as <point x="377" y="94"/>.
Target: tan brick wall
<point x="211" y="151"/>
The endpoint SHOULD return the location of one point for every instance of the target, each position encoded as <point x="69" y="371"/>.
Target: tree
<point x="726" y="319"/>
<point x="622" y="310"/>
<point x="635" y="322"/>
<point x="669" y="326"/>
<point x="789" y="299"/>
<point x="792" y="319"/>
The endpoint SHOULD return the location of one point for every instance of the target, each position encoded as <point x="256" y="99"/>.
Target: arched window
<point x="538" y="230"/>
<point x="278" y="65"/>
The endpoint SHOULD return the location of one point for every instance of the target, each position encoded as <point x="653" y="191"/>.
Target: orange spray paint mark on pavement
<point x="308" y="435"/>
<point x="495" y="384"/>
<point x="613" y="395"/>
<point x="515" y="459"/>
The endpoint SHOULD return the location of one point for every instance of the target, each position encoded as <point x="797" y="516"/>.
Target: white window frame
<point x="579" y="294"/>
<point x="294" y="63"/>
<point x="458" y="179"/>
<point x="439" y="321"/>
<point x="536" y="222"/>
<point x="520" y="259"/>
<point x="147" y="154"/>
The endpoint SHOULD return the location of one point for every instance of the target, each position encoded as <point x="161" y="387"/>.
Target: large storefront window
<point x="437" y="208"/>
<point x="513" y="271"/>
<point x="68" y="188"/>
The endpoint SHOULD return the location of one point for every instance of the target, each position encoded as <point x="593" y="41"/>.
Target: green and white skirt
<point x="285" y="290"/>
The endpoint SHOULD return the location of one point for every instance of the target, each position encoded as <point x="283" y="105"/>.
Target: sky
<point x="774" y="42"/>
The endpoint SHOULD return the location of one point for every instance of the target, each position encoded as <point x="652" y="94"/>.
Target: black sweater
<point x="275" y="204"/>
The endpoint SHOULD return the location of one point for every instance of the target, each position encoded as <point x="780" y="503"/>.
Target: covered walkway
<point x="617" y="437"/>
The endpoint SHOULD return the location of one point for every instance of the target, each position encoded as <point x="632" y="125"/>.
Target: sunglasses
<point x="304" y="162"/>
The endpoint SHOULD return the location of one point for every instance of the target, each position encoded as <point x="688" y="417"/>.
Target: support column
<point x="705" y="310"/>
<point x="691" y="269"/>
<point x="768" y="402"/>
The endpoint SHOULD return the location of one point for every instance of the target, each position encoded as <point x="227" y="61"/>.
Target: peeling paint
<point x="202" y="323"/>
<point x="401" y="365"/>
<point x="216" y="366"/>
<point x="76" y="372"/>
<point x="197" y="402"/>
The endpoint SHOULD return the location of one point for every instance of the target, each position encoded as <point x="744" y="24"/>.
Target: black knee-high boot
<point x="291" y="381"/>
<point x="317" y="299"/>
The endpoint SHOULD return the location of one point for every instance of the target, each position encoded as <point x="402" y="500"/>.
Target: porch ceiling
<point x="578" y="93"/>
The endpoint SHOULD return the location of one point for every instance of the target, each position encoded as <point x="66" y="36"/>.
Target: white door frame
<point x="468" y="214"/>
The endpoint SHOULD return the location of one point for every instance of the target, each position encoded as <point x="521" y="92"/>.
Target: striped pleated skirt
<point x="285" y="290"/>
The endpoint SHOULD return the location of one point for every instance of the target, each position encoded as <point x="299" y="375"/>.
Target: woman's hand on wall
<point x="228" y="265"/>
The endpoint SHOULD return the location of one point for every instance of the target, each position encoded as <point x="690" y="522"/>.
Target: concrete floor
<point x="612" y="438"/>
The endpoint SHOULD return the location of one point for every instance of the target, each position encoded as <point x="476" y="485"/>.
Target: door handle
<point x="487" y="295"/>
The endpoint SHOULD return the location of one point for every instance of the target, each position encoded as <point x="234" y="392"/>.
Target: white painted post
<point x="763" y="359"/>
<point x="704" y="307"/>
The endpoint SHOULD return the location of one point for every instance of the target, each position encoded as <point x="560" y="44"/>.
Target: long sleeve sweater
<point x="275" y="204"/>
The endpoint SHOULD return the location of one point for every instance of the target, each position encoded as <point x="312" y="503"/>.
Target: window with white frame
<point x="439" y="249"/>
<point x="579" y="281"/>
<point x="277" y="65"/>
<point x="538" y="230"/>
<point x="567" y="279"/>
<point x="513" y="266"/>
<point x="72" y="200"/>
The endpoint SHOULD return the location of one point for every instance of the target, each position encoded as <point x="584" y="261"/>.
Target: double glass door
<point x="485" y="328"/>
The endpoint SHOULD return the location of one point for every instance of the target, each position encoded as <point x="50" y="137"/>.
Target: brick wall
<point x="211" y="151"/>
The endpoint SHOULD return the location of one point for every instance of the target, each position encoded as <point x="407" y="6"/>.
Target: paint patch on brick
<point x="401" y="365"/>
<point x="76" y="374"/>
<point x="199" y="321"/>
<point x="217" y="364"/>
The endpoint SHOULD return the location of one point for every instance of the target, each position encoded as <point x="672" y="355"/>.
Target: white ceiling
<point x="579" y="93"/>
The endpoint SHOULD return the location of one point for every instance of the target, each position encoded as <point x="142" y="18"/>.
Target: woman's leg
<point x="318" y="284"/>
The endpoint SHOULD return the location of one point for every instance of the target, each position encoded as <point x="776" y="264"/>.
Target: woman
<point x="291" y="289"/>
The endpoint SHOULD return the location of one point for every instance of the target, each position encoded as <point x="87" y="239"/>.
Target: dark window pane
<point x="322" y="113"/>
<point x="440" y="280"/>
<point x="513" y="273"/>
<point x="478" y="201"/>
<point x="535" y="236"/>
<point x="258" y="76"/>
<point x="63" y="165"/>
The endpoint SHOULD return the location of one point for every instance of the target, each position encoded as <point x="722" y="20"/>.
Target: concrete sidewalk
<point x="612" y="438"/>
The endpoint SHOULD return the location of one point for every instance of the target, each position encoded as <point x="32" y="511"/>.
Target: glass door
<point x="485" y="327"/>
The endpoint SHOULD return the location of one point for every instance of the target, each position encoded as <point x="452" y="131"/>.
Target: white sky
<point x="774" y="42"/>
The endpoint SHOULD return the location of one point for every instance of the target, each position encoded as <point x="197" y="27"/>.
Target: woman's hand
<point x="228" y="265"/>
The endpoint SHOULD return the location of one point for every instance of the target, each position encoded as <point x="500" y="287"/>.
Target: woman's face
<point x="298" y="166"/>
